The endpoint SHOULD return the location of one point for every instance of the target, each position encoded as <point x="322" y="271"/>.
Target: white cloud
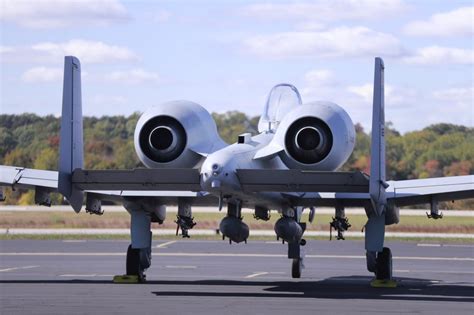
<point x="394" y="95"/>
<point x="108" y="100"/>
<point x="319" y="77"/>
<point x="364" y="91"/>
<point x="440" y="55"/>
<point x="310" y="26"/>
<point x="458" y="22"/>
<point x="319" y="83"/>
<point x="453" y="105"/>
<point x="42" y="75"/>
<point x="325" y="11"/>
<point x="134" y="76"/>
<point x="6" y="49"/>
<point x="337" y="42"/>
<point x="60" y="13"/>
<point x="460" y="94"/>
<point x="86" y="51"/>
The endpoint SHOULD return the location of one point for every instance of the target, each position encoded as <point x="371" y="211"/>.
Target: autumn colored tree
<point x="33" y="141"/>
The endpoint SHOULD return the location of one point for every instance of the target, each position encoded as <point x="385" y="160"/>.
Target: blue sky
<point x="226" y="55"/>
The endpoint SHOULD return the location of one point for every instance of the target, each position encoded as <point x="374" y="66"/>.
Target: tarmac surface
<point x="213" y="277"/>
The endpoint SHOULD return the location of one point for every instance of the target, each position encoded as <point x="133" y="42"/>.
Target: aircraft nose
<point x="210" y="176"/>
<point x="214" y="176"/>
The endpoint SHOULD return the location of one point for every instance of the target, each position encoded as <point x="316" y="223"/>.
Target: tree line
<point x="33" y="141"/>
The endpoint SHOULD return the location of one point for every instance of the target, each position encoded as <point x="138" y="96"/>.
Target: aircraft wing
<point x="28" y="178"/>
<point x="351" y="189"/>
<point x="416" y="191"/>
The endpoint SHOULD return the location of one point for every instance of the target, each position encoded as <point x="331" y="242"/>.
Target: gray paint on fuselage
<point x="240" y="156"/>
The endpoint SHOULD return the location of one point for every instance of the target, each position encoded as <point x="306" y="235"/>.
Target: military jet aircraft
<point x="289" y="166"/>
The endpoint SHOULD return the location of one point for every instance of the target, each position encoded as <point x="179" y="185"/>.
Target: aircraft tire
<point x="133" y="261"/>
<point x="296" y="268"/>
<point x="384" y="265"/>
<point x="371" y="261"/>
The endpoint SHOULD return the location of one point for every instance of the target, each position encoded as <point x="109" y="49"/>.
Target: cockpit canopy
<point x="282" y="99"/>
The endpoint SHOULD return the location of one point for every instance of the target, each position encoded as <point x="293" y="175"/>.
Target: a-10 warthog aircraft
<point x="291" y="165"/>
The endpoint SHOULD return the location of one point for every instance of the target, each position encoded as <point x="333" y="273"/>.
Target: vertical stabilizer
<point x="71" y="139"/>
<point x="377" y="150"/>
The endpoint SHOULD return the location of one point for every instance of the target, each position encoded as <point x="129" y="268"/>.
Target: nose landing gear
<point x="295" y="252"/>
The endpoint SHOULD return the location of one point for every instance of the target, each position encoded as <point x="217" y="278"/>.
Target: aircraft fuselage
<point x="219" y="176"/>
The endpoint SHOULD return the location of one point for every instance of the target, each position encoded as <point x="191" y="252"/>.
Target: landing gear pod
<point x="289" y="230"/>
<point x="233" y="228"/>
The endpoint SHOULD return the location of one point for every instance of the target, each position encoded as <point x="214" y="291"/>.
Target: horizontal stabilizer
<point x="185" y="179"/>
<point x="302" y="181"/>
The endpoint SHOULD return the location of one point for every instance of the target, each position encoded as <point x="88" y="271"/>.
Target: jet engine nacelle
<point x="176" y="134"/>
<point x="316" y="136"/>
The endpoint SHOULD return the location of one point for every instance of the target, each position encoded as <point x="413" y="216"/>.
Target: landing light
<point x="216" y="169"/>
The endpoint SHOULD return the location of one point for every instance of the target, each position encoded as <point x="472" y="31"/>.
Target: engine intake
<point x="162" y="139"/>
<point x="308" y="140"/>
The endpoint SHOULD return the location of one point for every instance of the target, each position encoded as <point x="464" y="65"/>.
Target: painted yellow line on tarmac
<point x="18" y="268"/>
<point x="256" y="274"/>
<point x="165" y="245"/>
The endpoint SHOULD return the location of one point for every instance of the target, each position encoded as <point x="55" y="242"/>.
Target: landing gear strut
<point x="139" y="251"/>
<point x="379" y="258"/>
<point x="291" y="230"/>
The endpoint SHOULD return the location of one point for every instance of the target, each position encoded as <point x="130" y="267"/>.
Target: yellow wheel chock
<point x="388" y="283"/>
<point x="127" y="279"/>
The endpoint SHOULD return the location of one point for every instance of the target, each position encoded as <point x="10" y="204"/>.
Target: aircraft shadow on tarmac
<point x="352" y="287"/>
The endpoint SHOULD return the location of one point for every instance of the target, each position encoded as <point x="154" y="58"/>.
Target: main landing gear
<point x="138" y="260"/>
<point x="139" y="251"/>
<point x="380" y="263"/>
<point x="379" y="258"/>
